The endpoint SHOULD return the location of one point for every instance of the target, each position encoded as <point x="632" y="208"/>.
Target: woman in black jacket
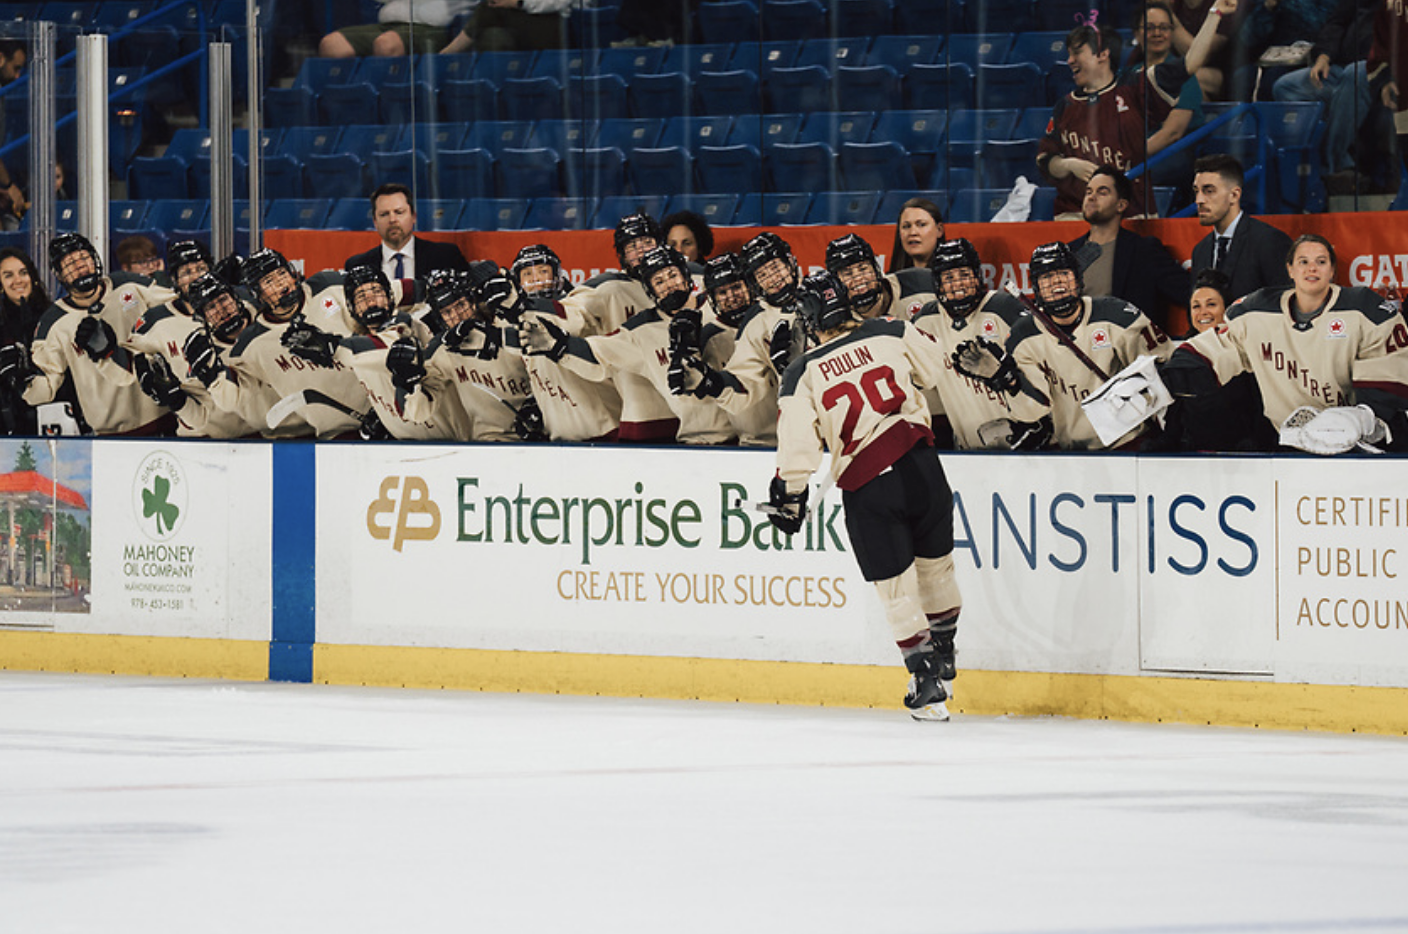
<point x="22" y="302"/>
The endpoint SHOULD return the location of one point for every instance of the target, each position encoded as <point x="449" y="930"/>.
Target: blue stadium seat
<point x="598" y="172"/>
<point x="939" y="87"/>
<point x="718" y="210"/>
<point x="975" y="205"/>
<point x="875" y="166"/>
<point x="691" y="132"/>
<point x="403" y="102"/>
<point x="112" y="16"/>
<point x="1018" y="86"/>
<point x="468" y="101"/>
<point x="609" y="211"/>
<point x="727" y="92"/>
<point x="336" y="175"/>
<point x="773" y="209"/>
<point x="498" y="67"/>
<point x="892" y="203"/>
<point x="832" y="52"/>
<point x="381" y="70"/>
<point x="593" y="27"/>
<point x="532" y="98"/>
<point x="438" y="213"/>
<point x="798" y="90"/>
<point x="835" y="128"/>
<point x="199" y="175"/>
<point x="291" y="106"/>
<point x="318" y="73"/>
<point x="362" y="141"/>
<point x="975" y="50"/>
<point x="302" y="142"/>
<point x="661" y="171"/>
<point x="598" y="97"/>
<point x="902" y="52"/>
<point x="560" y="214"/>
<point x="353" y="214"/>
<point x="868" y="87"/>
<point x="793" y="19"/>
<point x="728" y="21"/>
<point x="642" y="60"/>
<point x="863" y="17"/>
<point x="560" y="135"/>
<point x="726" y="169"/>
<point x="407" y="167"/>
<point x="952" y="179"/>
<point x="496" y="136"/>
<point x="564" y="64"/>
<point x="980" y="125"/>
<point x="764" y="130"/>
<point x="176" y="214"/>
<point x="530" y="173"/>
<point x="300" y="214"/>
<point x="153" y="177"/>
<point x="843" y="207"/>
<point x="762" y="57"/>
<point x="128" y="215"/>
<point x="431" y="137"/>
<point x="187" y="144"/>
<point x="1001" y="161"/>
<point x="800" y="166"/>
<point x="493" y="214"/>
<point x="344" y="104"/>
<point x="66" y="214"/>
<point x="466" y="173"/>
<point x="692" y="59"/>
<point x="1031" y="124"/>
<point x="920" y="132"/>
<point x="928" y="17"/>
<point x="662" y="95"/>
<point x="1059" y="83"/>
<point x="1045" y="50"/>
<point x="629" y="133"/>
<point x="1043" y="204"/>
<point x="435" y="70"/>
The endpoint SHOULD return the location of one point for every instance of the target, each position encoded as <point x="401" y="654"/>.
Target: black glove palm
<point x="789" y="510"/>
<point x="202" y="357"/>
<point x="528" y="424"/>
<point x="308" y="343"/>
<point x="154" y="377"/>
<point x="406" y="364"/>
<point x="95" y="337"/>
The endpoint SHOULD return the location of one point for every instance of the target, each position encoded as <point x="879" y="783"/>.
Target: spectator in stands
<point x="137" y="254"/>
<point x="402" y="26"/>
<point x="1119" y="262"/>
<point x="22" y="302"/>
<point x="1269" y="24"/>
<point x="689" y="233"/>
<point x="1388" y="66"/>
<point x="401" y="254"/>
<point x="61" y="181"/>
<point x="1217" y="21"/>
<point x="13" y="58"/>
<point x="513" y="25"/>
<point x="1338" y="77"/>
<point x="1098" y="122"/>
<point x="1250" y="252"/>
<point x="918" y="231"/>
<point x="1172" y="100"/>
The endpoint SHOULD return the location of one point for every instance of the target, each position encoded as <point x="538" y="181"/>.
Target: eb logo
<point x="416" y="515"/>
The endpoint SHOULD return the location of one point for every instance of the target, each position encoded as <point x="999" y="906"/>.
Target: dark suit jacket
<point x="430" y="256"/>
<point x="1145" y="275"/>
<point x="1256" y="258"/>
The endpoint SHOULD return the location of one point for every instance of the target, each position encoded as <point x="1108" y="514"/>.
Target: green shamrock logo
<point x="154" y="504"/>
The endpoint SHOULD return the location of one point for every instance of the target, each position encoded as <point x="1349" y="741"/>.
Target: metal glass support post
<point x="222" y="206"/>
<point x="255" y="123"/>
<point x="92" y="168"/>
<point x="42" y="157"/>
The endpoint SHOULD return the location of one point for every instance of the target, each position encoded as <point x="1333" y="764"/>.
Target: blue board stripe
<point x="293" y="552"/>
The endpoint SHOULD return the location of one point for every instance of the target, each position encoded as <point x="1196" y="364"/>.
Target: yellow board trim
<point x="1221" y="702"/>
<point x="135" y="655"/>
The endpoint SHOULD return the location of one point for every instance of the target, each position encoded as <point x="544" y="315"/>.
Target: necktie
<point x="401" y="264"/>
<point x="1219" y="253"/>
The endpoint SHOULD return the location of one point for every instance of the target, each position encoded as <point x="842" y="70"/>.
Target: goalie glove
<point x="528" y="424"/>
<point x="155" y="379"/>
<point x="989" y="363"/>
<point x="780" y="346"/>
<point x="308" y="343"/>
<point x="789" y="510"/>
<point x="474" y="337"/>
<point x="406" y="364"/>
<point x="1335" y="430"/>
<point x="15" y="370"/>
<point x="539" y="336"/>
<point x="202" y="357"/>
<point x="95" y="337"/>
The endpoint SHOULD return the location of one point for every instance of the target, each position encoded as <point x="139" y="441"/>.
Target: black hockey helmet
<point x="445" y="288"/>
<point x="540" y="254"/>
<point x="181" y="253"/>
<point x="266" y="262"/>
<point x="633" y="227"/>
<point x="825" y="303"/>
<point x="847" y="251"/>
<point x="1049" y="258"/>
<point x="373" y="316"/>
<point x="720" y="272"/>
<point x="224" y="319"/>
<point x="761" y="250"/>
<point x="957" y="254"/>
<point x="658" y="260"/>
<point x="68" y="244"/>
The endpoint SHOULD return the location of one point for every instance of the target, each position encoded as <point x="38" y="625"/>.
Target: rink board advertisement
<point x="142" y="539"/>
<point x="1068" y="564"/>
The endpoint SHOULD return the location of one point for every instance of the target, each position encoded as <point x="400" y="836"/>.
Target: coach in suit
<point x="1119" y="262"/>
<point x="1251" y="253"/>
<point x="401" y="254"/>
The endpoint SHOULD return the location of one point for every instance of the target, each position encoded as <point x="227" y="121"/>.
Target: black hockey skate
<point x="945" y="659"/>
<point x="926" y="696"/>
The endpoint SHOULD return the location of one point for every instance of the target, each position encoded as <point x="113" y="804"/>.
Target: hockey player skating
<point x="966" y="308"/>
<point x="856" y="395"/>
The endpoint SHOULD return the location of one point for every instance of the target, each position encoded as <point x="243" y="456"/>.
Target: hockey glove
<point x="474" y="337"/>
<point x="372" y="428"/>
<point x="154" y="377"/>
<point x="987" y="362"/>
<point x="780" y="346"/>
<point x="539" y="336"/>
<point x="528" y="424"/>
<point x="686" y="332"/>
<point x="308" y="343"/>
<point x="788" y="510"/>
<point x="95" y="337"/>
<point x="488" y="285"/>
<point x="14" y="366"/>
<point x="202" y="357"/>
<point x="406" y="364"/>
<point x="693" y="376"/>
<point x="1031" y="436"/>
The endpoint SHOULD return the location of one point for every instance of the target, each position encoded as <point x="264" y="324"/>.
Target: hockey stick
<point x="301" y="399"/>
<point x="1056" y="330"/>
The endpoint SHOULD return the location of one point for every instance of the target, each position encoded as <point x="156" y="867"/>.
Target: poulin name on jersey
<point x="843" y="363"/>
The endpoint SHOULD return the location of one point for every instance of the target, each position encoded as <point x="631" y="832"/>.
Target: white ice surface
<point x="145" y="805"/>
